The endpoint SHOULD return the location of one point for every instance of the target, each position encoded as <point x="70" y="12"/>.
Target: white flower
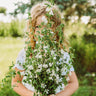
<point x="68" y="78"/>
<point x="62" y="17"/>
<point x="41" y="36"/>
<point x="51" y="12"/>
<point x="46" y="90"/>
<point x="57" y="78"/>
<point x="45" y="51"/>
<point x="36" y="42"/>
<point x="70" y="73"/>
<point x="22" y="73"/>
<point x="57" y="69"/>
<point x="52" y="52"/>
<point x="48" y="9"/>
<point x="30" y="67"/>
<point x="60" y="59"/>
<point x="53" y="73"/>
<point x="38" y="56"/>
<point x="62" y="51"/>
<point x="55" y="41"/>
<point x="52" y="32"/>
<point x="45" y="47"/>
<point x="64" y="70"/>
<point x="45" y="66"/>
<point x="50" y="78"/>
<point x="63" y="85"/>
<point x="50" y="64"/>
<point x="39" y="70"/>
<point x="44" y="19"/>
<point x="48" y="70"/>
<point x="54" y="58"/>
<point x="42" y="85"/>
<point x="36" y="76"/>
<point x="93" y="74"/>
<point x="40" y="66"/>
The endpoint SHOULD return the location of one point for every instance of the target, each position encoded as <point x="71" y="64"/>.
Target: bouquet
<point x="45" y="69"/>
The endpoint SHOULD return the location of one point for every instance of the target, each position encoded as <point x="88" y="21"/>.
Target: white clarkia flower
<point x="45" y="66"/>
<point x="45" y="47"/>
<point x="40" y="66"/>
<point x="43" y="85"/>
<point x="53" y="73"/>
<point x="50" y="78"/>
<point x="44" y="19"/>
<point x="38" y="56"/>
<point x="60" y="59"/>
<point x="70" y="73"/>
<point x="39" y="70"/>
<point x="52" y="32"/>
<point x="62" y="17"/>
<point x="41" y="36"/>
<point x="57" y="79"/>
<point x="46" y="90"/>
<point x="64" y="70"/>
<point x="93" y="74"/>
<point x="50" y="64"/>
<point x="51" y="12"/>
<point x="45" y="51"/>
<point x="57" y="69"/>
<point x="57" y="76"/>
<point x="54" y="58"/>
<point x="36" y="42"/>
<point x="30" y="67"/>
<point x="52" y="52"/>
<point x="63" y="85"/>
<point x="55" y="41"/>
<point x="62" y="51"/>
<point x="22" y="73"/>
<point x="68" y="78"/>
<point x="48" y="70"/>
<point x="48" y="9"/>
<point x="36" y="76"/>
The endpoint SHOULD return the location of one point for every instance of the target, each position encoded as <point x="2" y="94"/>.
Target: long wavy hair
<point x="39" y="9"/>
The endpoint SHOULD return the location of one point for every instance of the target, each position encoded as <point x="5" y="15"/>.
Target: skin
<point x="71" y="87"/>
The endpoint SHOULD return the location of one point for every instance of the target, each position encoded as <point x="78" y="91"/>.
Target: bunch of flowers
<point x="48" y="65"/>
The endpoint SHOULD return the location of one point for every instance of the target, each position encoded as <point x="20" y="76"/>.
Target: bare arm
<point x="20" y="88"/>
<point x="72" y="86"/>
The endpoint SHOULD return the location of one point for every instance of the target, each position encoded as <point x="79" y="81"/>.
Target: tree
<point x="68" y="7"/>
<point x="3" y="10"/>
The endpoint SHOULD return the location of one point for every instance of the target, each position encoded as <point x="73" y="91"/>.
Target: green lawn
<point x="9" y="49"/>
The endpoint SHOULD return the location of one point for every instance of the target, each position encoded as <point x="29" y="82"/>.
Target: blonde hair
<point x="39" y="9"/>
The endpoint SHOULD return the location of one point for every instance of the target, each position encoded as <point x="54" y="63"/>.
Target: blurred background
<point x="80" y="27"/>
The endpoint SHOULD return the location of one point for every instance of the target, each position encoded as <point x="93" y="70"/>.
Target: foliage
<point x="69" y="7"/>
<point x="5" y="86"/>
<point x="85" y="52"/>
<point x="14" y="29"/>
<point x="3" y="10"/>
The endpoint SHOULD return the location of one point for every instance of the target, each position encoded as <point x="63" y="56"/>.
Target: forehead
<point x="39" y="19"/>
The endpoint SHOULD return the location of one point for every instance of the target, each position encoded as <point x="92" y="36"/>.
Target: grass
<point x="9" y="49"/>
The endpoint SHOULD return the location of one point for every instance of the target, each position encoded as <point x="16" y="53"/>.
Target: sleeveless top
<point x="21" y="58"/>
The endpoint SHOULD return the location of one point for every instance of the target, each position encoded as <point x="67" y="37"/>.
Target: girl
<point x="38" y="14"/>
